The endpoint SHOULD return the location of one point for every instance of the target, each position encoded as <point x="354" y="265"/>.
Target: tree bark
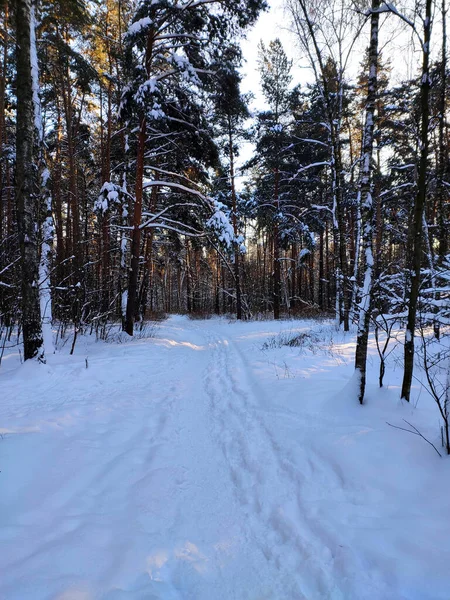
<point x="236" y="249"/>
<point x="367" y="206"/>
<point x="132" y="298"/>
<point x="416" y="232"/>
<point x="443" y="146"/>
<point x="26" y="186"/>
<point x="276" y="254"/>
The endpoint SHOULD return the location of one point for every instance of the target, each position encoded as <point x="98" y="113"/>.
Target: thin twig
<point x="415" y="432"/>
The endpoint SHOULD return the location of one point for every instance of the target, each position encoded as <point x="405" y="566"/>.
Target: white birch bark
<point x="367" y="205"/>
<point x="44" y="195"/>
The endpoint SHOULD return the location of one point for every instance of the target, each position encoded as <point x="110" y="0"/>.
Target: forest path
<point x="264" y="480"/>
<point x="196" y="466"/>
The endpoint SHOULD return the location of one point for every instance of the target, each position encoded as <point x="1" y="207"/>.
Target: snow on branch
<point x="311" y="166"/>
<point x="388" y="7"/>
<point x="110" y="195"/>
<point x="311" y="141"/>
<point x="220" y="224"/>
<point x="138" y="26"/>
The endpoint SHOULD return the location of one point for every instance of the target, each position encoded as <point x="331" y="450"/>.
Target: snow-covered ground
<point x="207" y="463"/>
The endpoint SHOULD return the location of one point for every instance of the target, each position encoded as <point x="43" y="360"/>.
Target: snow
<point x="303" y="253"/>
<point x="108" y="197"/>
<point x="45" y="300"/>
<point x="35" y="76"/>
<point x="210" y="462"/>
<point x="138" y="26"/>
<point x="219" y="222"/>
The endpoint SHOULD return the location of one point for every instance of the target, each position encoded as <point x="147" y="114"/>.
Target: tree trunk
<point x="294" y="277"/>
<point x="276" y="255"/>
<point x="26" y="186"/>
<point x="443" y="146"/>
<point x="416" y="232"/>
<point x="132" y="298"/>
<point x="367" y="206"/>
<point x="236" y="249"/>
<point x="3" y="81"/>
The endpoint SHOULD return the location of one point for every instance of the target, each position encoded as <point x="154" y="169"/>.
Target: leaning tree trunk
<point x="416" y="232"/>
<point x="26" y="186"/>
<point x="367" y="208"/>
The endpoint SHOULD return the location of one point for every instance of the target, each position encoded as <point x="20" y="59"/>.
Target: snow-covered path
<point x="195" y="466"/>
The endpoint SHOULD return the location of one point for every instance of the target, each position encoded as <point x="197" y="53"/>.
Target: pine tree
<point x="231" y="111"/>
<point x="27" y="185"/>
<point x="274" y="67"/>
<point x="160" y="92"/>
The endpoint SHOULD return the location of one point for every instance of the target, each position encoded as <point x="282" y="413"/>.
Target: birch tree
<point x="367" y="204"/>
<point x="328" y="29"/>
<point x="44" y="197"/>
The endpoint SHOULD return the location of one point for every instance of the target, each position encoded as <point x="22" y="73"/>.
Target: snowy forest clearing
<point x="207" y="463"/>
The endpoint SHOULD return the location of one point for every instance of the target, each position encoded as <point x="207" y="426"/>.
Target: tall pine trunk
<point x="132" y="297"/>
<point x="26" y="187"/>
<point x="276" y="253"/>
<point x="236" y="249"/>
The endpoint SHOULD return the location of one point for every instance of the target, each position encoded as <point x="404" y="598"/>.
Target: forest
<point x="120" y="129"/>
<point x="221" y="310"/>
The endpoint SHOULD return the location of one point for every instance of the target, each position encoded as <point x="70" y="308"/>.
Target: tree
<point x="274" y="67"/>
<point x="171" y="47"/>
<point x="367" y="204"/>
<point x="27" y="185"/>
<point x="415" y="241"/>
<point x="328" y="43"/>
<point x="230" y="113"/>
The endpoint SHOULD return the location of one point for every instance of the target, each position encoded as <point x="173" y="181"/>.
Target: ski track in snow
<point x="268" y="484"/>
<point x="165" y="471"/>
